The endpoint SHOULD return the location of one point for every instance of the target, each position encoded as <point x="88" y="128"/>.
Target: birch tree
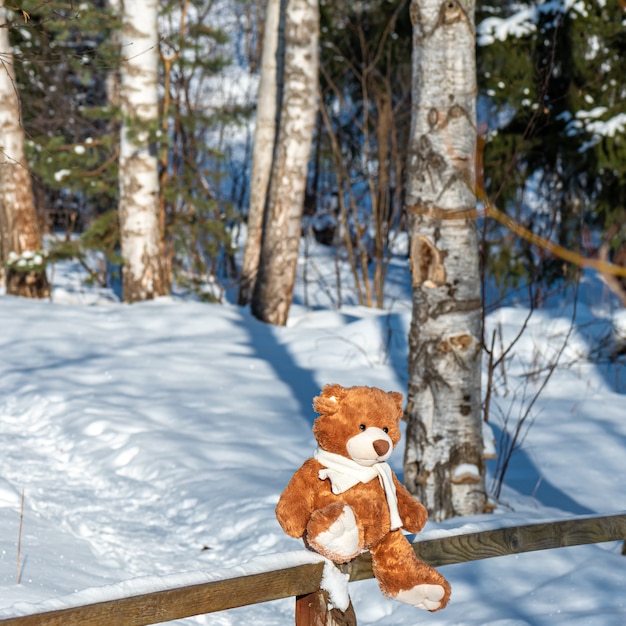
<point x="20" y="240"/>
<point x="264" y="138"/>
<point x="273" y="290"/>
<point x="140" y="232"/>
<point x="443" y="463"/>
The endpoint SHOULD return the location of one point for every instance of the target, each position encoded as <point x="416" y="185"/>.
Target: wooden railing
<point x="303" y="581"/>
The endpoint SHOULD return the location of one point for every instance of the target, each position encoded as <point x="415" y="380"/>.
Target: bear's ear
<point x="396" y="396"/>
<point x="328" y="401"/>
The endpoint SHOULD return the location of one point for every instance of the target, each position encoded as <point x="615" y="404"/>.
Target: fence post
<point x="312" y="610"/>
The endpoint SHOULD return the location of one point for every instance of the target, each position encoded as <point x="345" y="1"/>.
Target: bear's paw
<point x="333" y="533"/>
<point x="425" y="596"/>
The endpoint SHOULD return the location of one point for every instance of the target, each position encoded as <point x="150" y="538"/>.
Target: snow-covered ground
<point x="153" y="441"/>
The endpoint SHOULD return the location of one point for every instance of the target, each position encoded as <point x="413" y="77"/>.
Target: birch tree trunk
<point x="20" y="240"/>
<point x="140" y="232"/>
<point x="443" y="463"/>
<point x="273" y="290"/>
<point x="264" y="139"/>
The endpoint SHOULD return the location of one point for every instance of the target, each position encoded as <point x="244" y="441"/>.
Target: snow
<point x="333" y="581"/>
<point x="466" y="472"/>
<point x="61" y="174"/>
<point x="619" y="329"/>
<point x="524" y="21"/>
<point x="152" y="442"/>
<point x="601" y="128"/>
<point x="588" y="121"/>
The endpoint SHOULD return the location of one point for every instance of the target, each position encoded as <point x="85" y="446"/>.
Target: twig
<point x="510" y="442"/>
<point x="19" y="543"/>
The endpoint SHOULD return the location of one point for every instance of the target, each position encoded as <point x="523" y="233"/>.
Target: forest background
<point x="550" y="121"/>
<point x="136" y="120"/>
<point x="549" y="158"/>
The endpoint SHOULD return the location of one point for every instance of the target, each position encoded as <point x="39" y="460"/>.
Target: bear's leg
<point x="333" y="532"/>
<point x="402" y="576"/>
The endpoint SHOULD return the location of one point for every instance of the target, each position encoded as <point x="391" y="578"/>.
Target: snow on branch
<point x="524" y="22"/>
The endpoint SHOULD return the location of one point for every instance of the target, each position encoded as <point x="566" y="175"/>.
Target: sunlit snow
<point x="152" y="441"/>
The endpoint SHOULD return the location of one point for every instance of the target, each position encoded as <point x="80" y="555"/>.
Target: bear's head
<point x="360" y="423"/>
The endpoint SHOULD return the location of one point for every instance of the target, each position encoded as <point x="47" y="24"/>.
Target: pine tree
<point x="552" y="84"/>
<point x="66" y="54"/>
<point x="68" y="75"/>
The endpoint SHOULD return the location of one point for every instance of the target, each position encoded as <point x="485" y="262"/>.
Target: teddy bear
<point x="347" y="500"/>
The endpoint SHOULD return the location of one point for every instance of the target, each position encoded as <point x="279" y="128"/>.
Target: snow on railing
<point x="317" y="584"/>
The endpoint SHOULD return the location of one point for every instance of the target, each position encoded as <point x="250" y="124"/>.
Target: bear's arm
<point x="296" y="503"/>
<point x="412" y="512"/>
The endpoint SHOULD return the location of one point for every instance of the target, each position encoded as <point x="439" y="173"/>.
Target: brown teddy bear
<point x="337" y="506"/>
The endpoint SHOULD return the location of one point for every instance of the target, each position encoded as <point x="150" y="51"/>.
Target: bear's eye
<point x="385" y="430"/>
<point x="362" y="427"/>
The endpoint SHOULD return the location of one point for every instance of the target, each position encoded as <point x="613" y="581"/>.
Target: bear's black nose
<point x="381" y="446"/>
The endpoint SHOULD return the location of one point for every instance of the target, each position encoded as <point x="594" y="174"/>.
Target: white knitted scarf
<point x="345" y="473"/>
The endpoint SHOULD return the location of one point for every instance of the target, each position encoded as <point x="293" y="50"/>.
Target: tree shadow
<point x="267" y="347"/>
<point x="395" y="334"/>
<point x="523" y="476"/>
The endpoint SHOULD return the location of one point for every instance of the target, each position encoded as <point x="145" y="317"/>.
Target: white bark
<point x="273" y="290"/>
<point x="19" y="231"/>
<point x="139" y="184"/>
<point x="264" y="138"/>
<point x="444" y="403"/>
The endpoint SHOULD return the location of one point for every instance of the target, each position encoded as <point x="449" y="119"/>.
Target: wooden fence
<point x="303" y="581"/>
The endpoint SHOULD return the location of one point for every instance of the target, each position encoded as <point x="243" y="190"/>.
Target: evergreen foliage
<point x="27" y="262"/>
<point x="551" y="81"/>
<point x="551" y="90"/>
<point x="64" y="54"/>
<point x="101" y="237"/>
<point x="67" y="68"/>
